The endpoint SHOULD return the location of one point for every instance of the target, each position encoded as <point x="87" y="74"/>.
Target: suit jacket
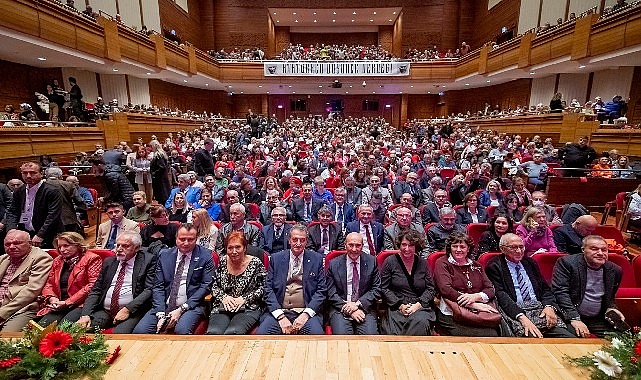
<point x="267" y="237"/>
<point x="223" y="217"/>
<point x="143" y="276"/>
<point x="369" y="286"/>
<point x="431" y="213"/>
<point x="199" y="278"/>
<point x="349" y="214"/>
<point x="81" y="279"/>
<point x="47" y="211"/>
<point x="5" y="199"/>
<point x="203" y="162"/>
<point x="391" y="233"/>
<point x="499" y="273"/>
<point x="568" y="284"/>
<point x="298" y="209"/>
<point x="354" y="197"/>
<point x="26" y="284"/>
<point x="70" y="198"/>
<point x="336" y="238"/>
<point x="567" y="239"/>
<point x="464" y="217"/>
<point x="377" y="232"/>
<point x="191" y="196"/>
<point x="251" y="196"/>
<point x="104" y="229"/>
<point x="314" y="280"/>
<point x="252" y="234"/>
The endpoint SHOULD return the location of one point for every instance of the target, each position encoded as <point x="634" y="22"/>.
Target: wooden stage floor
<point x="335" y="357"/>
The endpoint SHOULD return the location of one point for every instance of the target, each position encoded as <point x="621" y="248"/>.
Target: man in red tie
<point x="370" y="230"/>
<point x="122" y="293"/>
<point x="353" y="284"/>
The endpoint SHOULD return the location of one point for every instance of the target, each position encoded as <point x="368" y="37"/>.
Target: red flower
<point x="637" y="348"/>
<point x="636" y="329"/>
<point x="634" y="359"/>
<point x="85" y="340"/>
<point x="55" y="341"/>
<point x="8" y="363"/>
<point x="112" y="357"/>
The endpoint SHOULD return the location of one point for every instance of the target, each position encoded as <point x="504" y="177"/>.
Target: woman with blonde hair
<point x="140" y="166"/>
<point x="207" y="230"/>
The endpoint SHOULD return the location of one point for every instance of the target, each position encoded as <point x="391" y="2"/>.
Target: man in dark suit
<point x="275" y="236"/>
<point x="247" y="193"/>
<point x="132" y="299"/>
<point x="325" y="236"/>
<point x="266" y="207"/>
<point x="183" y="278"/>
<point x="71" y="200"/>
<point x="36" y="207"/>
<point x="585" y="287"/>
<point x="342" y="212"/>
<point x="371" y="230"/>
<point x="295" y="289"/>
<point x="203" y="162"/>
<point x="354" y="284"/>
<point x="431" y="211"/>
<point x="353" y="194"/>
<point x="304" y="209"/>
<point x="517" y="280"/>
<point x="569" y="237"/>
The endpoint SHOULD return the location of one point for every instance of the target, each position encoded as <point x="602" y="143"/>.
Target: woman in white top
<point x="140" y="165"/>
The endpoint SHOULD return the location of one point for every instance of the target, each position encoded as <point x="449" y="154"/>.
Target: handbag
<point x="472" y="317"/>
<point x="532" y="310"/>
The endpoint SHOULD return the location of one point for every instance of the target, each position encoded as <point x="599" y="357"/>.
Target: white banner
<point x="336" y="68"/>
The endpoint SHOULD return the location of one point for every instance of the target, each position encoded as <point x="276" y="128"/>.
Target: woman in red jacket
<point x="72" y="275"/>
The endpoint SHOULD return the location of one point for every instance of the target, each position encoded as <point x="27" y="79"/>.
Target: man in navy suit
<point x="304" y="209"/>
<point x="275" y="236"/>
<point x="183" y="278"/>
<point x="342" y="212"/>
<point x="295" y="289"/>
<point x="353" y="283"/>
<point x="371" y="230"/>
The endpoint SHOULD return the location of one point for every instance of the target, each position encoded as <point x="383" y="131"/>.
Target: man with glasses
<point x="342" y="212"/>
<point x="267" y="207"/>
<point x="402" y="224"/>
<point x="275" y="235"/>
<point x="536" y="170"/>
<point x="375" y="185"/>
<point x="522" y="290"/>
<point x="432" y="210"/>
<point x="438" y="233"/>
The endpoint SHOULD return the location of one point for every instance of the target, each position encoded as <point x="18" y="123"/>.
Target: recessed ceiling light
<point x="371" y="20"/>
<point x="277" y="20"/>
<point x="320" y="92"/>
<point x="148" y="73"/>
<point x="488" y="81"/>
<point x="334" y="12"/>
<point x="352" y="20"/>
<point x="373" y="92"/>
<point x="314" y="12"/>
<point x="444" y="86"/>
<point x="411" y="86"/>
<point x="354" y="13"/>
<point x="260" y="86"/>
<point x="320" y="86"/>
<point x="206" y="84"/>
<point x="268" y="92"/>
<point x="242" y="92"/>
<point x="115" y="70"/>
<point x="347" y="92"/>
<point x="582" y="67"/>
<point x="274" y="12"/>
<point x="289" y="86"/>
<point x="229" y="86"/>
<point x="532" y="73"/>
<point x="350" y="86"/>
<point x="293" y="92"/>
<point x="401" y="92"/>
<point x="42" y="59"/>
<point x="293" y="13"/>
<point x="333" y="20"/>
<point x="185" y="80"/>
<point x="393" y="13"/>
<point x="390" y="20"/>
<point x="467" y="84"/>
<point x="295" y="20"/>
<point x="429" y="92"/>
<point x="314" y="20"/>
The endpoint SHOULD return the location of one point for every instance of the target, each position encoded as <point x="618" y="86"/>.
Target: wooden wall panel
<point x="488" y="23"/>
<point x="421" y="106"/>
<point x="634" y="108"/>
<point x="164" y="94"/>
<point x="188" y="24"/>
<point x="510" y="94"/>
<point x="307" y="39"/>
<point x="19" y="82"/>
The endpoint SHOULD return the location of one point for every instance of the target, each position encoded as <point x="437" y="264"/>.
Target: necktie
<point x="296" y="269"/>
<point x="112" y="237"/>
<point x="356" y="279"/>
<point x="175" y="284"/>
<point x="370" y="244"/>
<point x="339" y="217"/>
<point x="325" y="239"/>
<point x="279" y="232"/>
<point x="525" y="294"/>
<point x="308" y="211"/>
<point x="114" y="307"/>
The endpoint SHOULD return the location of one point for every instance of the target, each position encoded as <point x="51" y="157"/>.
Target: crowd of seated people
<point x="294" y="194"/>
<point x="298" y="52"/>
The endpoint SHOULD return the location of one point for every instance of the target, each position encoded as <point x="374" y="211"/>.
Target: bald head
<point x="585" y="225"/>
<point x="17" y="244"/>
<point x="354" y="245"/>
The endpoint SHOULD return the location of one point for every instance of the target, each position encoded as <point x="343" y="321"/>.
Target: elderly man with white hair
<point x="237" y="222"/>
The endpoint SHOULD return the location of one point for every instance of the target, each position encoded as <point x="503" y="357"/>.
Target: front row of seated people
<point x="136" y="291"/>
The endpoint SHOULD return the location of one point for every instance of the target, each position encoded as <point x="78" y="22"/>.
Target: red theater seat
<point x="546" y="263"/>
<point x="484" y="258"/>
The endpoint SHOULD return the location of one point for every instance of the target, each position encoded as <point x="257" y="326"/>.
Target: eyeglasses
<point x="515" y="247"/>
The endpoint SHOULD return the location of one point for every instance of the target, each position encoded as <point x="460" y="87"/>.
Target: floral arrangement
<point x="618" y="359"/>
<point x="56" y="352"/>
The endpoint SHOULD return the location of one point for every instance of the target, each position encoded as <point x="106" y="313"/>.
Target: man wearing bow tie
<point x="295" y="289"/>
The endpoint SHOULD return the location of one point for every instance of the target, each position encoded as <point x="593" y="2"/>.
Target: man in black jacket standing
<point x="203" y="161"/>
<point x="577" y="155"/>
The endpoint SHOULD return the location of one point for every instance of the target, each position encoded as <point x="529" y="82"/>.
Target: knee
<point x="235" y="330"/>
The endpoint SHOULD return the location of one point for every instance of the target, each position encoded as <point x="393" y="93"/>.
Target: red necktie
<point x="370" y="244"/>
<point x="114" y="306"/>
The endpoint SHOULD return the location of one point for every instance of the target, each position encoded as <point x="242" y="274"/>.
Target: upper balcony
<point x="44" y="28"/>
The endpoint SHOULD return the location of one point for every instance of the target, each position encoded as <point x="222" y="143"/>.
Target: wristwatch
<point x="184" y="307"/>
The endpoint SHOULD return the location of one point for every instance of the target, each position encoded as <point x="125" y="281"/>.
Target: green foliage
<point x="622" y="349"/>
<point x="85" y="357"/>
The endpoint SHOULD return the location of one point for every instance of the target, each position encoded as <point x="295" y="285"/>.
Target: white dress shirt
<point x="127" y="289"/>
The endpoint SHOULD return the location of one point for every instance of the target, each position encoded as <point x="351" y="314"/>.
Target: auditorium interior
<point x="166" y="67"/>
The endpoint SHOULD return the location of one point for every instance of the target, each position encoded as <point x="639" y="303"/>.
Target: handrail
<point x="47" y="123"/>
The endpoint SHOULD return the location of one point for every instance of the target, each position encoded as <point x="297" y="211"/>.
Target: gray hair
<point x="446" y="211"/>
<point x="279" y="208"/>
<point x="509" y="236"/>
<point x="185" y="177"/>
<point x="238" y="207"/>
<point x="53" y="172"/>
<point x="298" y="227"/>
<point x="133" y="237"/>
